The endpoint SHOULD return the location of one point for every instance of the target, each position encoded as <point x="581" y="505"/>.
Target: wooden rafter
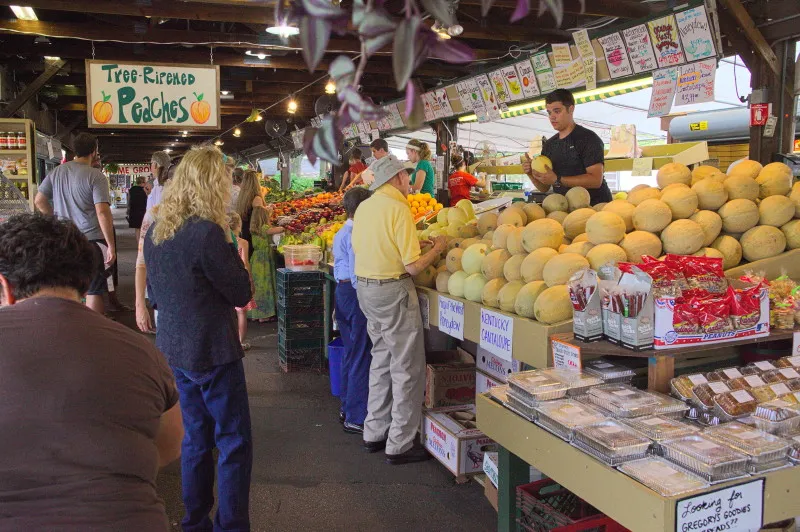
<point x="52" y="69"/>
<point x="745" y="21"/>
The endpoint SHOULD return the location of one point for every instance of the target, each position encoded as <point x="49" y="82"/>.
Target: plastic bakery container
<point x="711" y="460"/>
<point x="611" y="442"/>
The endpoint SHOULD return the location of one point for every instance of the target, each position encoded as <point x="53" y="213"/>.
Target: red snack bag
<point x="700" y="272"/>
<point x="745" y="306"/>
<point x="714" y="315"/>
<point x="666" y="281"/>
<point x="684" y="319"/>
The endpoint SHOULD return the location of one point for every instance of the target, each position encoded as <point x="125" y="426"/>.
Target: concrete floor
<point x="307" y="473"/>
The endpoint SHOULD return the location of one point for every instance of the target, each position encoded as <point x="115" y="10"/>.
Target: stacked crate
<point x="301" y="320"/>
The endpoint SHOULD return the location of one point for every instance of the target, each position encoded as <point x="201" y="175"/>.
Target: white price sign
<point x="796" y="344"/>
<point x="497" y="333"/>
<point x="566" y="356"/>
<point x="425" y="309"/>
<point x="737" y="508"/>
<point x="451" y="317"/>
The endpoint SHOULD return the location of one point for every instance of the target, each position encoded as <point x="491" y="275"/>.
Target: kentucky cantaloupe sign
<point x="152" y="95"/>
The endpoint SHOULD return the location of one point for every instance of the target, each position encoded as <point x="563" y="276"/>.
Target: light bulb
<point x="259" y="118"/>
<point x="237" y="132"/>
<point x="218" y="142"/>
<point x="292" y="106"/>
<point x="330" y="87"/>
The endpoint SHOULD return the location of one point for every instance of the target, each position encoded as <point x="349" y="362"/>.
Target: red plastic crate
<point x="545" y="505"/>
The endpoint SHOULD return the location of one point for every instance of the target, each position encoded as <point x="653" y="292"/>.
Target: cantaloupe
<point x="511" y="269"/>
<point x="491" y="291"/>
<point x="473" y="287"/>
<point x="454" y="260"/>
<point x="674" y="186"/>
<point x="472" y="258"/>
<point x="746" y="168"/>
<point x="762" y="242"/>
<point x="512" y="217"/>
<point x="500" y="235"/>
<point x="467" y="242"/>
<point x="682" y="201"/>
<point x="542" y="233"/>
<point x="673" y="173"/>
<point x="600" y="206"/>
<point x="560" y="268"/>
<point x="741" y="187"/>
<point x="441" y="267"/>
<point x="712" y="253"/>
<point x="791" y="231"/>
<point x="700" y="173"/>
<point x="794" y="195"/>
<point x="508" y="295"/>
<point x="426" y="277"/>
<point x="580" y="238"/>
<point x="455" y="284"/>
<point x="468" y="231"/>
<point x="489" y="235"/>
<point x="526" y="298"/>
<point x="466" y="206"/>
<point x="605" y="228"/>
<point x="775" y="179"/>
<point x="711" y="223"/>
<point x="711" y="194"/>
<point x="492" y="264"/>
<point x="604" y="254"/>
<point x="652" y="215"/>
<point x="731" y="251"/>
<point x="514" y="242"/>
<point x="624" y="209"/>
<point x="441" y="217"/>
<point x="532" y="268"/>
<point x="519" y="207"/>
<point x="456" y="216"/>
<point x="558" y="216"/>
<point x="562" y="247"/>
<point x="453" y="243"/>
<point x="487" y="222"/>
<point x="581" y="248"/>
<point x="442" y="279"/>
<point x="534" y="211"/>
<point x="555" y="202"/>
<point x="487" y="243"/>
<point x="638" y="243"/>
<point x="553" y="305"/>
<point x="578" y="198"/>
<point x="454" y="230"/>
<point x="775" y="210"/>
<point x="739" y="215"/>
<point x="638" y="195"/>
<point x="575" y="222"/>
<point x="682" y="237"/>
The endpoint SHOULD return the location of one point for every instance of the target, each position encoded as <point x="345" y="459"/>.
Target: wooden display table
<point x="623" y="499"/>
<point x="661" y="363"/>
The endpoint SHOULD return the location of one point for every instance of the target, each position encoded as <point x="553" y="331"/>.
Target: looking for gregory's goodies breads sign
<point x="152" y="95"/>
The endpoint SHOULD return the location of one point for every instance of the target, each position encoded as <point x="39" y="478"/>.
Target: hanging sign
<point x="513" y="83"/>
<point x="497" y="333"/>
<point x="527" y="78"/>
<point x="590" y="72"/>
<point x="489" y="97"/>
<point x="544" y="73"/>
<point x="667" y="45"/>
<point x="663" y="92"/>
<point x="696" y="82"/>
<point x="152" y="95"/>
<point x="695" y="32"/>
<point x="736" y="508"/>
<point x="451" y="317"/>
<point x="465" y="96"/>
<point x="562" y="55"/>
<point x="642" y="167"/>
<point x="640" y="49"/>
<point x="500" y="89"/>
<point x="616" y="55"/>
<point x="584" y="45"/>
<point x="443" y="101"/>
<point x="394" y="117"/>
<point x="427" y="102"/>
<point x="297" y="139"/>
<point x="571" y="75"/>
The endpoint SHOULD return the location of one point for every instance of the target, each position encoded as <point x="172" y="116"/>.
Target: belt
<point x="343" y="281"/>
<point x="383" y="281"/>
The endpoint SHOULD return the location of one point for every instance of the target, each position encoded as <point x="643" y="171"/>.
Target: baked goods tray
<point x="762" y="448"/>
<point x="534" y="386"/>
<point x="712" y="461"/>
<point x="608" y="371"/>
<point x="669" y="406"/>
<point x="682" y="386"/>
<point x="519" y="406"/>
<point x="794" y="451"/>
<point x="623" y="401"/>
<point x="777" y="417"/>
<point x="788" y="362"/>
<point x="662" y="476"/>
<point x="659" y="428"/>
<point x="703" y="394"/>
<point x="561" y="417"/>
<point x="731" y="405"/>
<point x="611" y="442"/>
<point x="577" y="381"/>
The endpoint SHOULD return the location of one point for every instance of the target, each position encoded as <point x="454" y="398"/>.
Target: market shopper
<point x="577" y="153"/>
<point x="243" y="248"/>
<point x="195" y="278"/>
<point x="137" y="205"/>
<point x="84" y="429"/>
<point x="160" y="163"/>
<point x="351" y="320"/>
<point x="423" y="179"/>
<point x="460" y="181"/>
<point x="80" y="193"/>
<point x="387" y="254"/>
<point x="352" y="176"/>
<point x="238" y="175"/>
<point x="379" y="148"/>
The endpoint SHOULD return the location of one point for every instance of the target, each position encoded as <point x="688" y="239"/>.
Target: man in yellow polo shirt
<point x="387" y="254"/>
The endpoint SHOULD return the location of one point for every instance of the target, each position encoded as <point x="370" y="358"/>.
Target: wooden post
<point x="660" y="370"/>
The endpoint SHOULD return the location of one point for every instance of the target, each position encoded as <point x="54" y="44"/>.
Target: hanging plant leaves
<point x="556" y="8"/>
<point x="415" y="115"/>
<point x="359" y="11"/>
<point x="342" y="71"/>
<point x="376" y="44"/>
<point x="327" y="140"/>
<point x="410" y="98"/>
<point x="406" y="48"/>
<point x="521" y="11"/>
<point x="350" y="96"/>
<point x="486" y="5"/>
<point x="452" y="51"/>
<point x="321" y="8"/>
<point x="440" y="10"/>
<point x="376" y="22"/>
<point x="308" y="142"/>
<point x="314" y="36"/>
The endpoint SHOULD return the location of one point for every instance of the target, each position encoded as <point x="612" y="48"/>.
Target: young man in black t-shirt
<point x="576" y="152"/>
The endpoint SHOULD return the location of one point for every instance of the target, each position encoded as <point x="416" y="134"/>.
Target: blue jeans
<point x="216" y="413"/>
<point x="357" y="354"/>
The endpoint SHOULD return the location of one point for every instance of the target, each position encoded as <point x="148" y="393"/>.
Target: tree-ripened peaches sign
<point x="152" y="95"/>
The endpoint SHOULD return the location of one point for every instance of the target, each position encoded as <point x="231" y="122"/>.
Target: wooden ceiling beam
<point x="32" y="88"/>
<point x="598" y="8"/>
<point x="745" y="21"/>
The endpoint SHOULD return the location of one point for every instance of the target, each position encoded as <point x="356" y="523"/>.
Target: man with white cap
<point x="387" y="254"/>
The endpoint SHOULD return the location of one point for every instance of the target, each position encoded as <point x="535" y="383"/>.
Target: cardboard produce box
<point x="452" y="437"/>
<point x="449" y="378"/>
<point x="495" y="366"/>
<point x="483" y="382"/>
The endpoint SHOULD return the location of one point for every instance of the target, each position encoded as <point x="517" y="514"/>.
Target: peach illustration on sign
<point x="102" y="111"/>
<point x="200" y="110"/>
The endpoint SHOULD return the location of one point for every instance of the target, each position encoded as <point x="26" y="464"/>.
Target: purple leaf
<point x="321" y="8"/>
<point x="350" y="96"/>
<point x="486" y="5"/>
<point x="359" y="11"/>
<point x="556" y="8"/>
<point x="376" y="44"/>
<point x="521" y="11"/>
<point x="314" y="36"/>
<point x="342" y="71"/>
<point x="376" y="23"/>
<point x="452" y="51"/>
<point x="308" y="142"/>
<point x="406" y="47"/>
<point x="342" y="120"/>
<point x="411" y="95"/>
<point x="327" y="140"/>
<point x="440" y="11"/>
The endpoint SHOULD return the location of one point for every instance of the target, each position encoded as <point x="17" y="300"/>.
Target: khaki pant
<point x="397" y="372"/>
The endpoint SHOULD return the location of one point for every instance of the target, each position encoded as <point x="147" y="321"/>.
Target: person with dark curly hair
<point x="84" y="431"/>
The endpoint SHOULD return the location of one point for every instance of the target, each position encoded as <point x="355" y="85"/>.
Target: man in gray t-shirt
<point x="80" y="193"/>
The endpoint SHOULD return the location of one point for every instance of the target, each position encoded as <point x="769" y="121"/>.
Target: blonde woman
<point x="423" y="179"/>
<point x="195" y="279"/>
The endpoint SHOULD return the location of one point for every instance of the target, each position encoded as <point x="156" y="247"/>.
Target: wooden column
<point x="446" y="131"/>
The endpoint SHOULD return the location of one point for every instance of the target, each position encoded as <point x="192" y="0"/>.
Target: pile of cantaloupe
<point x="520" y="260"/>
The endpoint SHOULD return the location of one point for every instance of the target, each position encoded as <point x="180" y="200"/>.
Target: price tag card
<point x="451" y="317"/>
<point x="424" y="309"/>
<point x="566" y="356"/>
<point x="642" y="167"/>
<point x="497" y="333"/>
<point x="736" y="508"/>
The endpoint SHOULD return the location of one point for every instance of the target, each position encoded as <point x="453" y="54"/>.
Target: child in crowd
<point x="352" y="322"/>
<point x="235" y="223"/>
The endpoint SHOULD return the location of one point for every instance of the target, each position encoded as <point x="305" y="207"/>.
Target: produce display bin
<point x="301" y="320"/>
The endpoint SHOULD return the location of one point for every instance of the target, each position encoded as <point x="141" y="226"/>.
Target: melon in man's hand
<point x="541" y="164"/>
